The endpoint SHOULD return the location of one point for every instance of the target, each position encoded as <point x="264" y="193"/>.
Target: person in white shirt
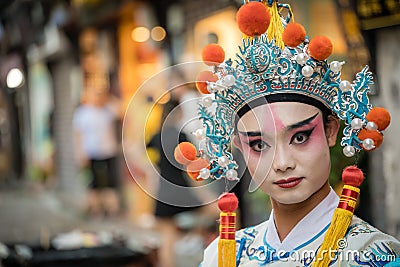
<point x="95" y="127"/>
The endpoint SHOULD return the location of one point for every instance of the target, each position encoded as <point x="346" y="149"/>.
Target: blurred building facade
<point x="379" y="22"/>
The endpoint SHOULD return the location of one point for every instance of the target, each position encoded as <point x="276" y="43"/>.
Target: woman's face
<point x="286" y="149"/>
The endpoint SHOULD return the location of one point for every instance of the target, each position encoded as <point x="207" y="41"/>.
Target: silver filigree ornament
<point x="258" y="58"/>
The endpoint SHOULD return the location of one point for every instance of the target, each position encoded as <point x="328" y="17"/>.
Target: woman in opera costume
<point x="281" y="103"/>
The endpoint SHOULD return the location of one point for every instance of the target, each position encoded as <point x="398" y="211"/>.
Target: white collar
<point x="311" y="225"/>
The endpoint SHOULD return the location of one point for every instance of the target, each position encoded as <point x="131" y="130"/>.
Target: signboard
<point x="374" y="14"/>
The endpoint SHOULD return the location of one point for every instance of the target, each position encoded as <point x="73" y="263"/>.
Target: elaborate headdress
<point x="278" y="62"/>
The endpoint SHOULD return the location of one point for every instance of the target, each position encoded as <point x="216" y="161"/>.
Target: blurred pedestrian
<point x="97" y="147"/>
<point x="164" y="142"/>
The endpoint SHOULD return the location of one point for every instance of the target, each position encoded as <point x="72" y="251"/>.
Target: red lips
<point x="289" y="183"/>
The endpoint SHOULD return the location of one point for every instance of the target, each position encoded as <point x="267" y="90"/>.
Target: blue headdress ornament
<point x="266" y="67"/>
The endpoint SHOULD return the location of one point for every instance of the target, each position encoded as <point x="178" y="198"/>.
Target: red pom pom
<point x="228" y="202"/>
<point x="185" y="152"/>
<point x="253" y="18"/>
<point x="294" y="34"/>
<point x="320" y="47"/>
<point x="374" y="135"/>
<point x="213" y="54"/>
<point x="353" y="176"/>
<point x="194" y="167"/>
<point x="380" y="116"/>
<point x="202" y="78"/>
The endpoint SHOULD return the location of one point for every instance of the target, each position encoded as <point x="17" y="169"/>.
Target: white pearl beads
<point x="200" y="134"/>
<point x="349" y="151"/>
<point x="206" y="101"/>
<point x="231" y="175"/>
<point x="371" y="126"/>
<point x="356" y="124"/>
<point x="229" y="80"/>
<point x="307" y="71"/>
<point x="368" y="144"/>
<point x="345" y="86"/>
<point x="223" y="161"/>
<point x="335" y="66"/>
<point x="204" y="173"/>
<point x="301" y="58"/>
<point x="211" y="87"/>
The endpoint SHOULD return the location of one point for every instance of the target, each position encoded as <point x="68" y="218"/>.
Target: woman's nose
<point x="283" y="159"/>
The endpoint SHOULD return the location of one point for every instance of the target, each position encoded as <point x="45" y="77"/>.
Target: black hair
<point x="285" y="97"/>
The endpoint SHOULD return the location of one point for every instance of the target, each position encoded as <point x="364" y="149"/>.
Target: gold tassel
<point x="275" y="28"/>
<point x="227" y="203"/>
<point x="352" y="177"/>
<point x="227" y="242"/>
<point x="226" y="253"/>
<point x="341" y="220"/>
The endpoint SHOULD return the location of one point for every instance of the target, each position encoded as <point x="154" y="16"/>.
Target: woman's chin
<point x="289" y="200"/>
<point x="290" y="197"/>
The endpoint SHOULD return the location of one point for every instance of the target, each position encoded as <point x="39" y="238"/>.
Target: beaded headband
<point x="276" y="59"/>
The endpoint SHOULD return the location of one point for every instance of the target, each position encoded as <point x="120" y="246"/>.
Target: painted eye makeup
<point x="301" y="137"/>
<point x="258" y="145"/>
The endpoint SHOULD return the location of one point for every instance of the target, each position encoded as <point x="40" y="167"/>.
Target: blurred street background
<point x="60" y="58"/>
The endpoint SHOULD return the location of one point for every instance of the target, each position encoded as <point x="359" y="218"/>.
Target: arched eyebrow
<point x="302" y="123"/>
<point x="290" y="127"/>
<point x="250" y="134"/>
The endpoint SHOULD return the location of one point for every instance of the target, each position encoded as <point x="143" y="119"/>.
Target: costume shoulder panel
<point x="365" y="245"/>
<point x="249" y="234"/>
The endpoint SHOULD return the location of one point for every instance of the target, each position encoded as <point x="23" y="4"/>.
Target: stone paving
<point x="32" y="216"/>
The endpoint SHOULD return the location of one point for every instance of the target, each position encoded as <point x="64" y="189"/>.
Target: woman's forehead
<point x="275" y="116"/>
